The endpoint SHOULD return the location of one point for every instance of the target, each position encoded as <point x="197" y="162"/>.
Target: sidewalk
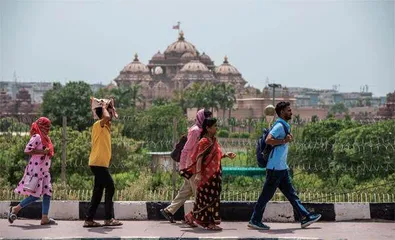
<point x="30" y="229"/>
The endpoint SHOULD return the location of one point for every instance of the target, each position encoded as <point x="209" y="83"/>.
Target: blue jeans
<point x="277" y="179"/>
<point x="31" y="199"/>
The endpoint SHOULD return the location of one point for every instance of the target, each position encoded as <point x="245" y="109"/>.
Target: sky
<point x="313" y="44"/>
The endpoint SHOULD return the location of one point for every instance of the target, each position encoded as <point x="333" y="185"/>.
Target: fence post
<point x="64" y="143"/>
<point x="174" y="172"/>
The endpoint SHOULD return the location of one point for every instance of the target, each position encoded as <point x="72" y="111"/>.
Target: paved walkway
<point x="30" y="229"/>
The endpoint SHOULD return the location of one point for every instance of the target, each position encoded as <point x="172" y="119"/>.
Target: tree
<point x="297" y="119"/>
<point x="155" y="126"/>
<point x="71" y="101"/>
<point x="135" y="95"/>
<point x="195" y="96"/>
<point x="103" y="93"/>
<point x="338" y="108"/>
<point x="160" y="101"/>
<point x="180" y="99"/>
<point x="127" y="96"/>
<point x="225" y="98"/>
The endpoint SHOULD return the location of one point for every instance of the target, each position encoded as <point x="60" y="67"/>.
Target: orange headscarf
<point x="42" y="127"/>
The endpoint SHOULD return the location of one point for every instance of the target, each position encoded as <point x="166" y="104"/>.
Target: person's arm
<point x="31" y="147"/>
<point x="272" y="141"/>
<point x="38" y="152"/>
<point x="106" y="116"/>
<point x="273" y="137"/>
<point x="230" y="155"/>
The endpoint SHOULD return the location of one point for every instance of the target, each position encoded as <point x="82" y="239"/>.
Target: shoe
<point x="11" y="216"/>
<point x="310" y="220"/>
<point x="259" y="225"/>
<point x="167" y="215"/>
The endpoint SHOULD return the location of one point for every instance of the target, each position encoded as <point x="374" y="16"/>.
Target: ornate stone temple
<point x="177" y="68"/>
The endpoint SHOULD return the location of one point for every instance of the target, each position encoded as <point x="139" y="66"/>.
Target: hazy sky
<point x="314" y="44"/>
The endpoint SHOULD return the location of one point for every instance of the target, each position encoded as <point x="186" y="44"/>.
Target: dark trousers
<point x="277" y="179"/>
<point x="103" y="180"/>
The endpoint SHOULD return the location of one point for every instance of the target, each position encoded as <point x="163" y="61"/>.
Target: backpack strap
<point x="285" y="128"/>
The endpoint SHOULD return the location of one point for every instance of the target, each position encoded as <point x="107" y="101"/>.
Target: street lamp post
<point x="274" y="86"/>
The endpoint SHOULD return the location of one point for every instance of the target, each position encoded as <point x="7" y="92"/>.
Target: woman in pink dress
<point x="36" y="181"/>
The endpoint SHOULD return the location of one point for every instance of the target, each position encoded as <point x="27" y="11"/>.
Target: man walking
<point x="277" y="175"/>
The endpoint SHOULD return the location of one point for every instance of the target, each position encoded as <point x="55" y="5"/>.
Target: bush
<point x="244" y="135"/>
<point x="235" y="135"/>
<point x="223" y="133"/>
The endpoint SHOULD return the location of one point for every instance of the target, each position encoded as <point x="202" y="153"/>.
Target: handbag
<point x="30" y="184"/>
<point x="176" y="153"/>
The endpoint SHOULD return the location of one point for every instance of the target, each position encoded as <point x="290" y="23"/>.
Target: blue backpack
<point x="263" y="150"/>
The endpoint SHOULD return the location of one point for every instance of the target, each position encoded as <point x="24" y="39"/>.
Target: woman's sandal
<point x="213" y="227"/>
<point x="11" y="216"/>
<point x="189" y="220"/>
<point x="50" y="221"/>
<point x="91" y="224"/>
<point x="113" y="222"/>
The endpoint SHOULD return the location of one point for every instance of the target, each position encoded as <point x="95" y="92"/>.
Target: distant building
<point x="35" y="89"/>
<point x="388" y="110"/>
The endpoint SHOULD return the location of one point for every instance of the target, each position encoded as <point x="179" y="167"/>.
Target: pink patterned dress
<point x="38" y="166"/>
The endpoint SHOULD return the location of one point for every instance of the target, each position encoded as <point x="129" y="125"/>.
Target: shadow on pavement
<point x="285" y="230"/>
<point x="204" y="231"/>
<point x="31" y="226"/>
<point x="103" y="230"/>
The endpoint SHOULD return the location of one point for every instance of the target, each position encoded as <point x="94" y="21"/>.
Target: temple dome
<point x="187" y="56"/>
<point x="195" y="71"/>
<point x="181" y="46"/>
<point x="194" y="66"/>
<point x="158" y="56"/>
<point x="136" y="66"/>
<point x="226" y="68"/>
<point x="204" y="57"/>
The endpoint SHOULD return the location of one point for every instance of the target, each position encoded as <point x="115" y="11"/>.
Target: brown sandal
<point x="213" y="227"/>
<point x="189" y="220"/>
<point x="91" y="224"/>
<point x="51" y="221"/>
<point x="113" y="222"/>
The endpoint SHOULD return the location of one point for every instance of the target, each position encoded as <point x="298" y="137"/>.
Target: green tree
<point x="136" y="95"/>
<point x="202" y="96"/>
<point x="226" y="98"/>
<point x="127" y="96"/>
<point x="179" y="97"/>
<point x="155" y="126"/>
<point x="160" y="101"/>
<point x="338" y="108"/>
<point x="71" y="101"/>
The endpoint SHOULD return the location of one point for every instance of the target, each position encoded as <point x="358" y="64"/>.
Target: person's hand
<point x="289" y="138"/>
<point x="197" y="179"/>
<point x="46" y="151"/>
<point x="230" y="155"/>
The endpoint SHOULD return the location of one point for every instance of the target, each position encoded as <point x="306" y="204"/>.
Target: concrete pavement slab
<point x="30" y="229"/>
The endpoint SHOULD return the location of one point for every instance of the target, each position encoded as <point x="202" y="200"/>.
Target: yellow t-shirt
<point x="101" y="146"/>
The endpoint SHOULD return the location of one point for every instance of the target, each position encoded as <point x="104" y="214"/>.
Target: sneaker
<point x="259" y="225"/>
<point x="167" y="215"/>
<point x="11" y="216"/>
<point x="310" y="220"/>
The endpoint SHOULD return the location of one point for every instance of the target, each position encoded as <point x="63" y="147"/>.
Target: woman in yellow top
<point x="99" y="161"/>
